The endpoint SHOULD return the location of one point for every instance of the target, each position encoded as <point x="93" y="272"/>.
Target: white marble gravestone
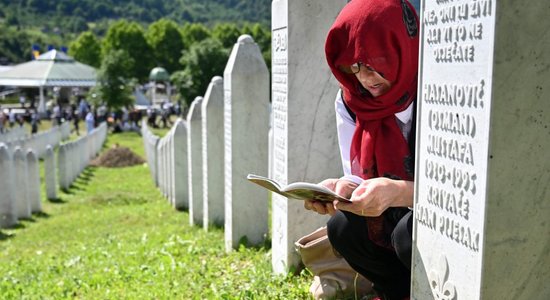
<point x="63" y="165"/>
<point x="8" y="213"/>
<point x="305" y="146"/>
<point x="164" y="165"/>
<point x="160" y="165"/>
<point x="153" y="161"/>
<point x="212" y="153"/>
<point x="482" y="202"/>
<point x="172" y="191"/>
<point x="50" y="173"/>
<point x="22" y="204"/>
<point x="246" y="100"/>
<point x="33" y="177"/>
<point x="166" y="150"/>
<point x="194" y="163"/>
<point x="150" y="142"/>
<point x="181" y="193"/>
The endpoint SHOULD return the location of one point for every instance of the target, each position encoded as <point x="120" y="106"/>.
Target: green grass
<point x="113" y="236"/>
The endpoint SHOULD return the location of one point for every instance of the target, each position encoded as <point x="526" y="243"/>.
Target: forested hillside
<point x="78" y="12"/>
<point x="58" y="22"/>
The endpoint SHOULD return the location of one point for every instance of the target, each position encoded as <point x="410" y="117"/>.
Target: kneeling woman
<point x="372" y="50"/>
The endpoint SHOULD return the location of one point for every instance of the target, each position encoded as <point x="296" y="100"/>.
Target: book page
<point x="265" y="182"/>
<point x="311" y="191"/>
<point x="297" y="190"/>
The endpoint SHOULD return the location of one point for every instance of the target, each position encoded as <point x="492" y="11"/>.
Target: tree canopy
<point x="130" y="37"/>
<point x="201" y="62"/>
<point x="113" y="89"/>
<point x="86" y="49"/>
<point x="166" y="41"/>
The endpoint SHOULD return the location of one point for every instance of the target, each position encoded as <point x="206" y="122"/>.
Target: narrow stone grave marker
<point x="194" y="154"/>
<point x="180" y="166"/>
<point x="50" y="173"/>
<point x="63" y="165"/>
<point x="33" y="177"/>
<point x="23" y="205"/>
<point x="246" y="100"/>
<point x="8" y="213"/>
<point x="212" y="153"/>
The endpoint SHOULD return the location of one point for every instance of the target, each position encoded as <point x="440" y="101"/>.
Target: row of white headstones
<point x="20" y="173"/>
<point x="202" y="162"/>
<point x="18" y="137"/>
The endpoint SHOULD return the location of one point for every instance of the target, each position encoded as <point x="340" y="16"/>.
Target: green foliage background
<point x="190" y="39"/>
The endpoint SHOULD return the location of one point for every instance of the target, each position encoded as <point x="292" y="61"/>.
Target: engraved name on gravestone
<point x="454" y="117"/>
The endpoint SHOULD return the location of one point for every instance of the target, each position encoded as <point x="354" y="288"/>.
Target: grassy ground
<point x="112" y="236"/>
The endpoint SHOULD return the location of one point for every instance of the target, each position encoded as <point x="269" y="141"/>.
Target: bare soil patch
<point x="117" y="157"/>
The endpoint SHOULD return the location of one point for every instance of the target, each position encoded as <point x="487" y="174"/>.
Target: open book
<point x="297" y="190"/>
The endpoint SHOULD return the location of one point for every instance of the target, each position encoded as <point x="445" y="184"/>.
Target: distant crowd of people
<point x="120" y="120"/>
<point x="165" y="111"/>
<point x="10" y="119"/>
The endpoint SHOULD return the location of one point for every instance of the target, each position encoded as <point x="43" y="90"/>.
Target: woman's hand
<point x="341" y="187"/>
<point x="373" y="196"/>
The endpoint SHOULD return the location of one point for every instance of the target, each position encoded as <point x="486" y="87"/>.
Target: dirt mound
<point x="117" y="157"/>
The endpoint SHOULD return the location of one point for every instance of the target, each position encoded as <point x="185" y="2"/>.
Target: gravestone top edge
<point x="30" y="152"/>
<point x="217" y="80"/>
<point x="4" y="149"/>
<point x="18" y="154"/>
<point x="245" y="39"/>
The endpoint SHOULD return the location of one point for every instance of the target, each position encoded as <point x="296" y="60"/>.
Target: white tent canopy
<point x="53" y="68"/>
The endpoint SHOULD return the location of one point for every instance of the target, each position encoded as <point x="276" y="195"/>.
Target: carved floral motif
<point x="442" y="289"/>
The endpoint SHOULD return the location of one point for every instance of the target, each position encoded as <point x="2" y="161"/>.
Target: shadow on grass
<point x="57" y="201"/>
<point x="29" y="220"/>
<point x="4" y="236"/>
<point x="244" y="243"/>
<point x="82" y="180"/>
<point x="86" y="175"/>
<point x="41" y="215"/>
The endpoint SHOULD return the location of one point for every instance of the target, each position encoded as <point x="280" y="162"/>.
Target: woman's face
<point x="371" y="80"/>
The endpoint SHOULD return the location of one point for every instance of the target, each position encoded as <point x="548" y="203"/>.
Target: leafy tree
<point x="114" y="89"/>
<point x="192" y="33"/>
<point x="226" y="33"/>
<point x="167" y="44"/>
<point x="130" y="37"/>
<point x="86" y="49"/>
<point x="12" y="45"/>
<point x="202" y="61"/>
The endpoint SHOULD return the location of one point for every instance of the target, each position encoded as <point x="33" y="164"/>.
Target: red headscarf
<point x="384" y="35"/>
